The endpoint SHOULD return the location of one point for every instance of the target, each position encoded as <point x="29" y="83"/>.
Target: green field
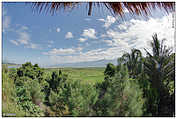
<point x="87" y="75"/>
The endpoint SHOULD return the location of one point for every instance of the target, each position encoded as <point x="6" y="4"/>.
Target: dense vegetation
<point x="137" y="86"/>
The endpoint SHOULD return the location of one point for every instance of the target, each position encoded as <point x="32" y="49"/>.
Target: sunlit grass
<point x="86" y="75"/>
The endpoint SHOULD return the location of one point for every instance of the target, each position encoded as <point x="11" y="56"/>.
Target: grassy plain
<point x="86" y="75"/>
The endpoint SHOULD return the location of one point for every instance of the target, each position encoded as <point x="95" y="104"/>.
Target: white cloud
<point x="89" y="33"/>
<point x="135" y="34"/>
<point x="63" y="51"/>
<point x="20" y="31"/>
<point x="79" y="48"/>
<point x="87" y="19"/>
<point x="24" y="38"/>
<point x="91" y="55"/>
<point x="51" y="41"/>
<point x="126" y="10"/>
<point x="87" y="44"/>
<point x="24" y="28"/>
<point x="4" y="11"/>
<point x="108" y="22"/>
<point x="69" y="35"/>
<point x="60" y="51"/>
<point x="33" y="46"/>
<point x="58" y="30"/>
<point x="138" y="33"/>
<point x="88" y="56"/>
<point x="109" y="42"/>
<point x="14" y="42"/>
<point x="6" y="23"/>
<point x="101" y="20"/>
<point x="82" y="39"/>
<point x="122" y="27"/>
<point x="49" y="46"/>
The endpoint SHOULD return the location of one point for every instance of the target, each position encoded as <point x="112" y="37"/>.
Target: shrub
<point x="30" y="97"/>
<point x="31" y="71"/>
<point x="123" y="97"/>
<point x="110" y="70"/>
<point x="9" y="102"/>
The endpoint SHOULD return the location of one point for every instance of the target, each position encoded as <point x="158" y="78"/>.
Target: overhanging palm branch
<point x="116" y="8"/>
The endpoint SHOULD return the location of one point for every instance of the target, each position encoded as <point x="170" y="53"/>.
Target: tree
<point x="31" y="71"/>
<point x="123" y="97"/>
<point x="73" y="97"/>
<point x="160" y="67"/>
<point x="28" y="80"/>
<point x="133" y="61"/>
<point x="110" y="70"/>
<point x="81" y="98"/>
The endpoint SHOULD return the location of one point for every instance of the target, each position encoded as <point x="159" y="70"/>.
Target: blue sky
<point x="69" y="37"/>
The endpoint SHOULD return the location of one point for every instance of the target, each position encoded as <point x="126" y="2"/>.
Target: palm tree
<point x="116" y="8"/>
<point x="133" y="61"/>
<point x="160" y="67"/>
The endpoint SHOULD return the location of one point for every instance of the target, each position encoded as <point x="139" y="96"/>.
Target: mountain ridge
<point x="97" y="63"/>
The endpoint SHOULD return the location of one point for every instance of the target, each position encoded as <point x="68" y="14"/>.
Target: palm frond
<point x="117" y="8"/>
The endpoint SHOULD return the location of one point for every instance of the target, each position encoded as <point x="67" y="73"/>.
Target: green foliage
<point x="53" y="83"/>
<point x="5" y="68"/>
<point x="110" y="70"/>
<point x="28" y="90"/>
<point x="29" y="97"/>
<point x="13" y="74"/>
<point x="138" y="86"/>
<point x="160" y="68"/>
<point x="31" y="71"/>
<point x="72" y="95"/>
<point x="53" y="91"/>
<point x="9" y="102"/>
<point x="123" y="97"/>
<point x="133" y="61"/>
<point x="85" y="75"/>
<point x="81" y="98"/>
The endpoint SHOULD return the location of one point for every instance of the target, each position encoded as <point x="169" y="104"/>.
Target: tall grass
<point x="9" y="104"/>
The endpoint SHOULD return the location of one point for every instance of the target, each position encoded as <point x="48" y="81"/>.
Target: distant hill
<point x="10" y="64"/>
<point x="98" y="63"/>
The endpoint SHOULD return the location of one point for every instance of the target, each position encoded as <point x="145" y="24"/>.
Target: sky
<point x="73" y="36"/>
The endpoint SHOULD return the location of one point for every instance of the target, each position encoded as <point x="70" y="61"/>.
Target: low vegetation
<point x="137" y="86"/>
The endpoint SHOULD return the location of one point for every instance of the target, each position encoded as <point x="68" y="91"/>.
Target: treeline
<point x="137" y="86"/>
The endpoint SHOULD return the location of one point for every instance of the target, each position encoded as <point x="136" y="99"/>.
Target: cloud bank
<point x="119" y="39"/>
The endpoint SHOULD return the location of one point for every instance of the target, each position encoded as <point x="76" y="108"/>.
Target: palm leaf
<point x="116" y="8"/>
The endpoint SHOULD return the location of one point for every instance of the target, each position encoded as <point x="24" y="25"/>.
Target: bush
<point x="30" y="97"/>
<point x="31" y="71"/>
<point x="81" y="99"/>
<point x="123" y="97"/>
<point x="5" y="68"/>
<point x="110" y="70"/>
<point x="9" y="102"/>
